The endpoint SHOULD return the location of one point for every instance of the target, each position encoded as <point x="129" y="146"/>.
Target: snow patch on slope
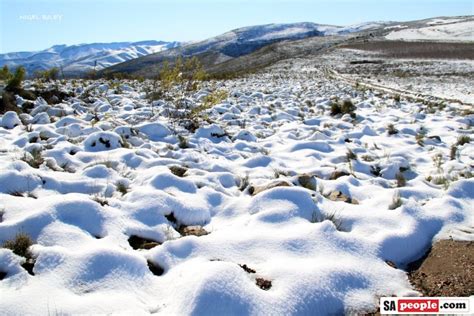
<point x="462" y="31"/>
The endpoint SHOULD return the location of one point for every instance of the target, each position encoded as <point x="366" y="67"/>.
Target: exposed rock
<point x="178" y="171"/>
<point x="254" y="190"/>
<point x="192" y="231"/>
<point x="339" y="196"/>
<point x="307" y="181"/>
<point x="337" y="174"/>
<point x="246" y="268"/>
<point x="263" y="284"/>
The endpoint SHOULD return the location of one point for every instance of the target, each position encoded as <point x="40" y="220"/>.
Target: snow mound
<point x="100" y="141"/>
<point x="10" y="120"/>
<point x="212" y="132"/>
<point x="154" y="131"/>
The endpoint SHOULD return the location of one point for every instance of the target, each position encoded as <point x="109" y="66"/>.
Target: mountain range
<point x="82" y="58"/>
<point x="236" y="51"/>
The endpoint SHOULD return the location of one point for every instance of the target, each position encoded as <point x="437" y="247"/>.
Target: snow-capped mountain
<point x="232" y="44"/>
<point x="244" y="40"/>
<point x="78" y="59"/>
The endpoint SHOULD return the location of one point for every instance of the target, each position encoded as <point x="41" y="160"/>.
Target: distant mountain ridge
<point x="79" y="59"/>
<point x="237" y="51"/>
<point x="235" y="44"/>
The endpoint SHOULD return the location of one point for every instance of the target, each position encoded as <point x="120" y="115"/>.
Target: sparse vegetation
<point x="350" y="155"/>
<point x="100" y="199"/>
<point x="420" y="136"/>
<point x="34" y="158"/>
<point x="401" y="180"/>
<point x="441" y="180"/>
<point x="438" y="162"/>
<point x="453" y="152"/>
<point x="333" y="217"/>
<point x="344" y="107"/>
<point x="50" y="74"/>
<point x="182" y="142"/>
<point x="5" y="73"/>
<point x="121" y="187"/>
<point x="14" y="83"/>
<point x="463" y="139"/>
<point x="391" y="130"/>
<point x="396" y="201"/>
<point x="20" y="244"/>
<point x="244" y="182"/>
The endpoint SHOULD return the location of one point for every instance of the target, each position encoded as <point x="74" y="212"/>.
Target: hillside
<point x="76" y="60"/>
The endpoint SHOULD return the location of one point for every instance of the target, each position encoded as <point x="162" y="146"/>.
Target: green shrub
<point x="51" y="74"/>
<point x="335" y="109"/>
<point x="463" y="139"/>
<point x="5" y="73"/>
<point x="15" y="82"/>
<point x="345" y="107"/>
<point x="348" y="107"/>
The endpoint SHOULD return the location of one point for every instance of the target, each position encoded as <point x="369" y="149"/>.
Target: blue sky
<point x="38" y="24"/>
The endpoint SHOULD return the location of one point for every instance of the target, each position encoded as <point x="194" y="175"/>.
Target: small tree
<point x="15" y="82"/>
<point x="5" y="73"/>
<point x="52" y="74"/>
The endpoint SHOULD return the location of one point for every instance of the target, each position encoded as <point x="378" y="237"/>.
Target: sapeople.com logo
<point x="426" y="305"/>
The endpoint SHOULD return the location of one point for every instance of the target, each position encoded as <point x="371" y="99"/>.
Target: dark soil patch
<point x="137" y="242"/>
<point x="446" y="270"/>
<point x="247" y="269"/>
<point x="263" y="284"/>
<point x="402" y="49"/>
<point x="155" y="269"/>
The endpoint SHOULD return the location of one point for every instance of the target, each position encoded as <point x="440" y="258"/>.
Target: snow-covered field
<point x="306" y="213"/>
<point x="441" y="78"/>
<point x="439" y="30"/>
